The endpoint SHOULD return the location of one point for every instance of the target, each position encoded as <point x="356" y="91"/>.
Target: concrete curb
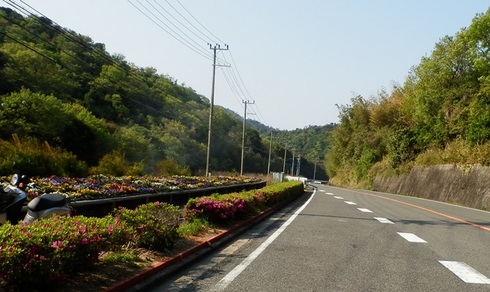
<point x="147" y="278"/>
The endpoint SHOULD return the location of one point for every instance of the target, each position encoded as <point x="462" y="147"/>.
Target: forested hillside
<point x="68" y="107"/>
<point x="440" y="115"/>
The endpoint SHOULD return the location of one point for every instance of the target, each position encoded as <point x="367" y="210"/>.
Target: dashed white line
<point x="364" y="210"/>
<point x="338" y="197"/>
<point x="465" y="272"/>
<point x="330" y="194"/>
<point x="322" y="191"/>
<point x="350" y="203"/>
<point x="384" y="220"/>
<point x="410" y="237"/>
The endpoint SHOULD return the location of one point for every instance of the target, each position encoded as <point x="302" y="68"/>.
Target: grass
<point x="193" y="227"/>
<point x="128" y="256"/>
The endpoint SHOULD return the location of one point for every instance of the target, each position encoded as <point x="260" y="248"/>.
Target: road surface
<point x="333" y="239"/>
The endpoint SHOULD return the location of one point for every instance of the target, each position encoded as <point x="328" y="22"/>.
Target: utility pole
<point x="299" y="165"/>
<point x="314" y="170"/>
<point x="292" y="166"/>
<point x="208" y="154"/>
<point x="284" y="162"/>
<point x="269" y="163"/>
<point x="243" y="133"/>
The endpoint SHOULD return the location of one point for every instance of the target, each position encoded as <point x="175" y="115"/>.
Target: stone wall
<point x="463" y="185"/>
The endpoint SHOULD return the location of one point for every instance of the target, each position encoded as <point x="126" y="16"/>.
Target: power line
<point x="219" y="40"/>
<point x="78" y="73"/>
<point x="231" y="74"/>
<point x="186" y="43"/>
<point x="191" y="31"/>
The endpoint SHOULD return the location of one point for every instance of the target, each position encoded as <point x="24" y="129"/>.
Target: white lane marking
<point x="364" y="210"/>
<point x="338" y="197"/>
<point x="322" y="191"/>
<point x="226" y="280"/>
<point x="350" y="203"/>
<point x="384" y="220"/>
<point x="465" y="272"/>
<point x="411" y="237"/>
<point x="330" y="194"/>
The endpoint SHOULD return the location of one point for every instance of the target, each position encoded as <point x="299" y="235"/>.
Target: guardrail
<point x="102" y="207"/>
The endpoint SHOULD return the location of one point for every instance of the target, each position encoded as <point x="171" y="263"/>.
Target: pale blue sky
<point x="295" y="59"/>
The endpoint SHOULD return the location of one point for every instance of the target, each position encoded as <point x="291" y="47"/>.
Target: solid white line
<point x="350" y="203"/>
<point x="338" y="197"/>
<point x="411" y="237"/>
<point x="465" y="272"/>
<point x="226" y="280"/>
<point x="364" y="210"/>
<point x="384" y="220"/>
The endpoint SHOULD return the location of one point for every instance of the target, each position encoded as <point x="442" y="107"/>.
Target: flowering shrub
<point x="49" y="249"/>
<point x="217" y="208"/>
<point x="155" y="224"/>
<point x="222" y="208"/>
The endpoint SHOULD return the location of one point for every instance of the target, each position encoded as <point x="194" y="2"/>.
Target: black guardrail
<point x="102" y="207"/>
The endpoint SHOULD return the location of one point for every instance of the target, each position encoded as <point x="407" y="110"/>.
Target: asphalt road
<point x="335" y="239"/>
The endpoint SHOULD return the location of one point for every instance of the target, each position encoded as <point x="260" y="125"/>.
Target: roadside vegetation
<point x="48" y="250"/>
<point x="440" y="115"/>
<point x="70" y="108"/>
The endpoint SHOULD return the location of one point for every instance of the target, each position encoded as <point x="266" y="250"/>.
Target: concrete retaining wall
<point x="463" y="185"/>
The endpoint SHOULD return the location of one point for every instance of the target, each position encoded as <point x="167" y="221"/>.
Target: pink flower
<point x="57" y="244"/>
<point x="110" y="228"/>
<point x="84" y="241"/>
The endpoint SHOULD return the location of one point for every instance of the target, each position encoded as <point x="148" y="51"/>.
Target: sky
<point x="292" y="62"/>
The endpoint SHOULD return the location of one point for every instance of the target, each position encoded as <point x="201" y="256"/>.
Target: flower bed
<point x="50" y="249"/>
<point x="100" y="186"/>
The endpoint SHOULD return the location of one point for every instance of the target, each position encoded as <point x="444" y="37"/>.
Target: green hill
<point x="68" y="107"/>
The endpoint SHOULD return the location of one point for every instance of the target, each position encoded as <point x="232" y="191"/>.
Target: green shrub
<point x="192" y="227"/>
<point x="115" y="164"/>
<point x="169" y="167"/>
<point x="30" y="156"/>
<point x="155" y="224"/>
<point x="49" y="249"/>
<point x="128" y="256"/>
<point x="225" y="208"/>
